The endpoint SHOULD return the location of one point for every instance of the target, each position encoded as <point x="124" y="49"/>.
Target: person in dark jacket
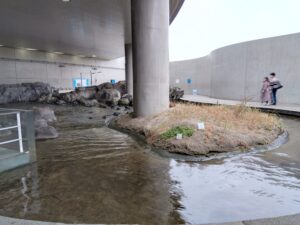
<point x="275" y="85"/>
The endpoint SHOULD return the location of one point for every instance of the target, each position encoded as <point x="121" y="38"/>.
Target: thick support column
<point x="129" y="69"/>
<point x="150" y="45"/>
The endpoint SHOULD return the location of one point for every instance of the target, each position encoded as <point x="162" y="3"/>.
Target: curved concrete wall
<point x="236" y="71"/>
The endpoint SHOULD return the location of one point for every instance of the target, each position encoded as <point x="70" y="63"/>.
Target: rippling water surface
<point x="93" y="174"/>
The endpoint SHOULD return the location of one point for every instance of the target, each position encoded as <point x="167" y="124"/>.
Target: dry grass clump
<point x="227" y="128"/>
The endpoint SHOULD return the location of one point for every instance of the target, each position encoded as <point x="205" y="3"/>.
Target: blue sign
<point x="113" y="81"/>
<point x="78" y="82"/>
<point x="189" y="81"/>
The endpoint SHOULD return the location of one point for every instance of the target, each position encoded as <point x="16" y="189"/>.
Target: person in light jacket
<point x="265" y="96"/>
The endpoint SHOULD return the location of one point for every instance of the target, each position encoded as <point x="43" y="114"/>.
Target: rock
<point x="116" y="114"/>
<point x="175" y="93"/>
<point x="103" y="86"/>
<point x="44" y="113"/>
<point x="60" y="102"/>
<point x="102" y="106"/>
<point x="48" y="132"/>
<point x="124" y="102"/>
<point x="43" y="116"/>
<point x="70" y="97"/>
<point x="24" y="92"/>
<point x="121" y="87"/>
<point x="39" y="122"/>
<point x="88" y="103"/>
<point x="87" y="92"/>
<point x="55" y="93"/>
<point x="49" y="99"/>
<point x="109" y="96"/>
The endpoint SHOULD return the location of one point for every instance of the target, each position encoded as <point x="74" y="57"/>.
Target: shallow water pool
<point x="93" y="174"/>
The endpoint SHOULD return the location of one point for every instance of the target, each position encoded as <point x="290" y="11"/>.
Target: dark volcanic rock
<point x="60" y="102"/>
<point x="121" y="87"/>
<point x="87" y="92"/>
<point x="69" y="97"/>
<point x="176" y="93"/>
<point x="116" y="114"/>
<point x="126" y="100"/>
<point x="88" y="103"/>
<point x="109" y="96"/>
<point x="106" y="85"/>
<point x="102" y="106"/>
<point x="25" y="92"/>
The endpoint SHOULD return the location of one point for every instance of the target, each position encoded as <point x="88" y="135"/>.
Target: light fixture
<point x="31" y="49"/>
<point x="58" y="53"/>
<point x="94" y="56"/>
<point x="65" y="0"/>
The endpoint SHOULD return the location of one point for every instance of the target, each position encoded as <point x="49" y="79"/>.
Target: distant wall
<point x="19" y="66"/>
<point x="236" y="71"/>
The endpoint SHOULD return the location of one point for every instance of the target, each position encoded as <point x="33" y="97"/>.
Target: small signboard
<point x="195" y="91"/>
<point x="78" y="82"/>
<point x="201" y="126"/>
<point x="179" y="136"/>
<point x="113" y="81"/>
<point x="189" y="80"/>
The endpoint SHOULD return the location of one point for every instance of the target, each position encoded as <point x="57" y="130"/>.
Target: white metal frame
<point x="18" y="126"/>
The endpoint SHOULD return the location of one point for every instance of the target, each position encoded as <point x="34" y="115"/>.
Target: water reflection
<point x="95" y="175"/>
<point x="238" y="188"/>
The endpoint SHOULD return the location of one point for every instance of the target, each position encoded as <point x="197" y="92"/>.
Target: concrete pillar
<point x="129" y="72"/>
<point x="150" y="46"/>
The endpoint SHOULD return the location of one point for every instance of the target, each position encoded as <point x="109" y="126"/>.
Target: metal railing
<point x="18" y="126"/>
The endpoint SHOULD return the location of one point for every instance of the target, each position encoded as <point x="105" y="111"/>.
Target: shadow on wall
<point x="236" y="72"/>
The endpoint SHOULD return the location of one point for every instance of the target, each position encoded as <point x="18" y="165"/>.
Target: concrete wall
<point x="19" y="66"/>
<point x="236" y="71"/>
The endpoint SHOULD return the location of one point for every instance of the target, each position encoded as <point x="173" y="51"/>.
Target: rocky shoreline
<point x="103" y="95"/>
<point x="109" y="96"/>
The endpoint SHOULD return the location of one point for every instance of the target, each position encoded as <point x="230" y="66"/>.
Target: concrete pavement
<point x="287" y="109"/>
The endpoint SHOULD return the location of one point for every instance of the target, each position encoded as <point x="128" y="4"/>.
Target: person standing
<point x="266" y="92"/>
<point x="275" y="85"/>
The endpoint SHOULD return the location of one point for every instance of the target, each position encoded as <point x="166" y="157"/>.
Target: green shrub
<point x="185" y="131"/>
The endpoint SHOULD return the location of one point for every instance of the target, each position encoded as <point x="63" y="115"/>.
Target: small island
<point x="224" y="128"/>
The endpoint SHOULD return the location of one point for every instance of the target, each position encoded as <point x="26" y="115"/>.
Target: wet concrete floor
<point x="93" y="174"/>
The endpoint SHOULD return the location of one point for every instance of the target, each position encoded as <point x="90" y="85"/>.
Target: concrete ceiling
<point x="77" y="27"/>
